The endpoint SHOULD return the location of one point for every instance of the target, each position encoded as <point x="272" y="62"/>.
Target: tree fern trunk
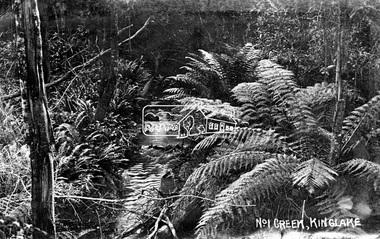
<point x="40" y="137"/>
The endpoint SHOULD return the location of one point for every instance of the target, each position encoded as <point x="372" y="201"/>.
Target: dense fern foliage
<point x="213" y="75"/>
<point x="287" y="151"/>
<point x="134" y="83"/>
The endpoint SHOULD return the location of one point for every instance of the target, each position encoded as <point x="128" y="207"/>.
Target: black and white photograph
<point x="189" y="119"/>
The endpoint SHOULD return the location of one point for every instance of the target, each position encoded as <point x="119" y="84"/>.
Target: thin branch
<point x="171" y="226"/>
<point x="90" y="198"/>
<point x="153" y="198"/>
<point x="157" y="222"/>
<point x="136" y="33"/>
<point x="128" y="232"/>
<point x="80" y="67"/>
<point x="198" y="197"/>
<point x="125" y="28"/>
<point x="11" y="96"/>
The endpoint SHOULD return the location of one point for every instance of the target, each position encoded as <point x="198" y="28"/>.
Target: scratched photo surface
<point x="189" y="119"/>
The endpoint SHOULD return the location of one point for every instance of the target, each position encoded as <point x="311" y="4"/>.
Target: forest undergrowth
<point x="301" y="147"/>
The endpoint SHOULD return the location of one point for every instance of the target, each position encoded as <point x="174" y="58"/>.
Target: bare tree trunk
<point x="340" y="100"/>
<point x="325" y="40"/>
<point x="40" y="137"/>
<point x="108" y="85"/>
<point x="43" y="6"/>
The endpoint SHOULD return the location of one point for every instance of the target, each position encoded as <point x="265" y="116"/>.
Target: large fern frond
<point x="362" y="167"/>
<point x="312" y="174"/>
<point x="313" y="143"/>
<point x="188" y="86"/>
<point x="249" y="189"/>
<point x="256" y="102"/>
<point x="365" y="116"/>
<point x="177" y="93"/>
<point x="239" y="161"/>
<point x="280" y="81"/>
<point x="320" y="99"/>
<point x="272" y="101"/>
<point x="246" y="139"/>
<point x="212" y="61"/>
<point x="301" y="115"/>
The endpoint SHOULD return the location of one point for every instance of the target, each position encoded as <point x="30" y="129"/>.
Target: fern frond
<point x="253" y="92"/>
<point x="133" y="72"/>
<point x="361" y="167"/>
<point x="177" y="93"/>
<point x="209" y="141"/>
<point x="312" y="174"/>
<point x="317" y="94"/>
<point x="319" y="99"/>
<point x="301" y="115"/>
<point x="218" y="73"/>
<point x="242" y="135"/>
<point x="313" y="142"/>
<point x="256" y="100"/>
<point x="238" y="161"/>
<point x="212" y="62"/>
<point x="271" y="101"/>
<point x="186" y="79"/>
<point x="366" y="116"/>
<point x="280" y="81"/>
<point x="250" y="53"/>
<point x="265" y="140"/>
<point x="265" y="179"/>
<point x="271" y="71"/>
<point x="201" y="69"/>
<point x="329" y="204"/>
<point x="246" y="139"/>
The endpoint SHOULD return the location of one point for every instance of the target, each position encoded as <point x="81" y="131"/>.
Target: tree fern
<point x="212" y="75"/>
<point x="289" y="141"/>
<point x="248" y="190"/>
<point x="272" y="101"/>
<point x="250" y="147"/>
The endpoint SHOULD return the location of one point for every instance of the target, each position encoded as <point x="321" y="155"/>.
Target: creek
<point x="144" y="178"/>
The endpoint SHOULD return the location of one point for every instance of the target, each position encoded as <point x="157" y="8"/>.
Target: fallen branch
<point x="80" y="67"/>
<point x="149" y="197"/>
<point x="127" y="233"/>
<point x="171" y="226"/>
<point x="157" y="222"/>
